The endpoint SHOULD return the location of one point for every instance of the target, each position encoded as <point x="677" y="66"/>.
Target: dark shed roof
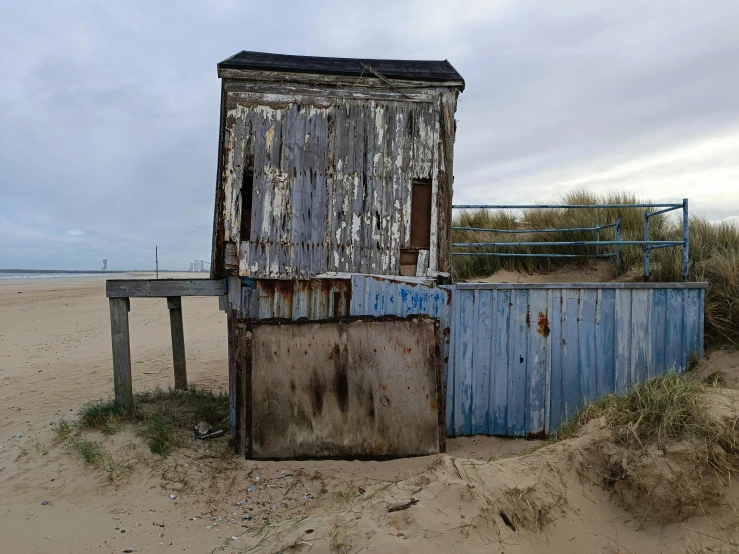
<point x="431" y="71"/>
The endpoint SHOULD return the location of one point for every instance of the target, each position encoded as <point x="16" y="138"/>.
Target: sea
<point x="6" y="274"/>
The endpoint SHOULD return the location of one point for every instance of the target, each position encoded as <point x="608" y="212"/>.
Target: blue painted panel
<point x="604" y="334"/>
<point x="622" y="339"/>
<point x="556" y="306"/>
<point x="658" y="330"/>
<point x="499" y="361"/>
<point x="508" y="376"/>
<point x="483" y="341"/>
<point x="640" y="343"/>
<point x="586" y="345"/>
<point x="571" y="398"/>
<point x="517" y="364"/>
<point x="675" y="338"/>
<point x="537" y="360"/>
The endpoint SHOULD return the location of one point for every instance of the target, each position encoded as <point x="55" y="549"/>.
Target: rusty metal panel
<point x="339" y="389"/>
<point x="381" y="296"/>
<point x="295" y="299"/>
<point x="525" y="358"/>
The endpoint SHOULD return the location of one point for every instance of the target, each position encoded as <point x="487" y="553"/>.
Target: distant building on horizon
<point x="198" y="266"/>
<point x="105" y="265"/>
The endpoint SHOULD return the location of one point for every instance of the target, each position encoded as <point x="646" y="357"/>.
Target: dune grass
<point x="163" y="418"/>
<point x="667" y="408"/>
<point x="714" y="250"/>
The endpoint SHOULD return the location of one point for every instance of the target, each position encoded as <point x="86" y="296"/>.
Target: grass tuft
<point x="62" y="428"/>
<point x="89" y="451"/>
<point x="664" y="409"/>
<point x="97" y="415"/>
<point x="163" y="418"/>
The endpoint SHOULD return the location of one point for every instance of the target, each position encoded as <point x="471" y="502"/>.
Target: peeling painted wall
<point x="333" y="172"/>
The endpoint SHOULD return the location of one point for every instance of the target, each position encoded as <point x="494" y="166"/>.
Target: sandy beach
<point x="55" y="356"/>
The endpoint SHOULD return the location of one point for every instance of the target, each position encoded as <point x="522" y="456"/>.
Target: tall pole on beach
<point x="156" y="257"/>
<point x="193" y="253"/>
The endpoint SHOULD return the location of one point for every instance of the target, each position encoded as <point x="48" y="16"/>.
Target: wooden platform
<point x="119" y="291"/>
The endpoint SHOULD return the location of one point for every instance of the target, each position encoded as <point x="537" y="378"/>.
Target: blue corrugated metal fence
<point x="524" y="358"/>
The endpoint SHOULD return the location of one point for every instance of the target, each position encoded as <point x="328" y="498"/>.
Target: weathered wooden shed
<point x="334" y="165"/>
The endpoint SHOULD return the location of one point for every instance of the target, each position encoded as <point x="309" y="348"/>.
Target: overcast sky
<point x="109" y="110"/>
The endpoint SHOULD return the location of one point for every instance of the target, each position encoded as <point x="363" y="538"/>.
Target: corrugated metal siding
<point x="332" y="181"/>
<point x="523" y="360"/>
<point x="275" y="298"/>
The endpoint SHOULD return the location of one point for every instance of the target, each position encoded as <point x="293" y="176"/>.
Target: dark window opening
<point x="247" y="191"/>
<point x="421" y="215"/>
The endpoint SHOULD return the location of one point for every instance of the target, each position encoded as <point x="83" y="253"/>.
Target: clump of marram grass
<point x="665" y="409"/>
<point x="62" y="428"/>
<point x="89" y="451"/>
<point x="163" y="418"/>
<point x="666" y="457"/>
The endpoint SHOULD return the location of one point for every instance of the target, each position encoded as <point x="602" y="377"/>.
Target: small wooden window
<point x="247" y="190"/>
<point x="421" y="215"/>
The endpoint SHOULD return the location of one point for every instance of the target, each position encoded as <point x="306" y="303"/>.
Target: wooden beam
<point x="121" y="353"/>
<point x="174" y="303"/>
<point x="163" y="288"/>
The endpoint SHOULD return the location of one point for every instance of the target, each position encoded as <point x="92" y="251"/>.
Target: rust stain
<point x="543" y="328"/>
<point x="538" y="435"/>
<point x="528" y="317"/>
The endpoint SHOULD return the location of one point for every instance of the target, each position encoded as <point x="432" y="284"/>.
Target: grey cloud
<point x="109" y="112"/>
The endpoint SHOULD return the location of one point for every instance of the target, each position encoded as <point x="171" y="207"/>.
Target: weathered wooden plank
<point x="518" y="364"/>
<point x="538" y="334"/>
<point x="447" y="108"/>
<point x="674" y="343"/>
<point x="389" y="265"/>
<point x="357" y="114"/>
<point x="217" y="268"/>
<point x="367" y="82"/>
<point x="658" y="327"/>
<point x="174" y="303"/>
<point x="571" y="394"/>
<point x="556" y="356"/>
<point x="605" y="315"/>
<point x="162" y="288"/>
<point x="438" y="171"/>
<point x="500" y="361"/>
<point x="622" y="341"/>
<point x="692" y="314"/>
<point x="281" y="94"/>
<point x="481" y="361"/>
<point x="640" y="339"/>
<point x="121" y="353"/>
<point x="586" y="345"/>
<point x="463" y="360"/>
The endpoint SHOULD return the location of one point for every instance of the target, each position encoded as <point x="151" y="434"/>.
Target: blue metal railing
<point x="618" y="243"/>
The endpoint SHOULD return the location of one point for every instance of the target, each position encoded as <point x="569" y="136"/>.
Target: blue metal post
<point x="646" y="246"/>
<point x="597" y="239"/>
<point x="685" y="239"/>
<point x="618" y="247"/>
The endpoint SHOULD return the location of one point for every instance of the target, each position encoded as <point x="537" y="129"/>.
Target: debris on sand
<point x="402" y="505"/>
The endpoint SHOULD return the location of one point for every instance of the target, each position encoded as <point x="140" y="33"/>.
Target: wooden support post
<point x="174" y="303"/>
<point x="119" y="308"/>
